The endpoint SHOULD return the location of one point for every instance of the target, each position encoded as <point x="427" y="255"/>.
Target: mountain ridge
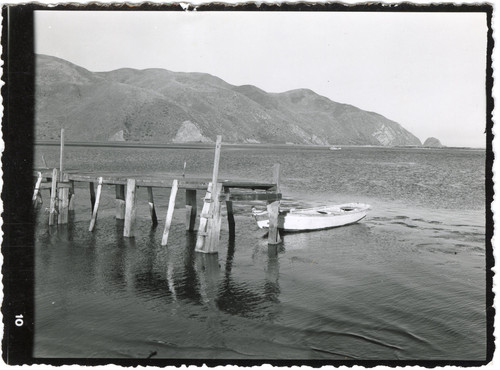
<point x="155" y="105"/>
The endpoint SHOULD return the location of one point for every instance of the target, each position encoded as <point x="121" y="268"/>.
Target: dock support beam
<point x="152" y="210"/>
<point x="120" y="202"/>
<point x="96" y="205"/>
<point x="170" y="212"/>
<point x="53" y="196"/>
<point x="274" y="209"/>
<point x="191" y="209"/>
<point x="130" y="210"/>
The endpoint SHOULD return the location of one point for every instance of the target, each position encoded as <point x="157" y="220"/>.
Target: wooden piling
<point x="214" y="222"/>
<point x="53" y="196"/>
<point x="61" y="155"/>
<point x="92" y="196"/>
<point x="215" y="173"/>
<point x="191" y="209"/>
<point x="120" y="202"/>
<point x="230" y="213"/>
<point x="63" y="192"/>
<point x="130" y="210"/>
<point x="71" y="205"/>
<point x="152" y="210"/>
<point x="170" y="212"/>
<point x="96" y="205"/>
<point x="37" y="188"/>
<point x="274" y="208"/>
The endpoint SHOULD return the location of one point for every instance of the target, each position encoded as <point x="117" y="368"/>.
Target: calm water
<point x="408" y="282"/>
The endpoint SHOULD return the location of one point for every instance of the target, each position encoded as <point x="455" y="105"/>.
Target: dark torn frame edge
<point x="17" y="164"/>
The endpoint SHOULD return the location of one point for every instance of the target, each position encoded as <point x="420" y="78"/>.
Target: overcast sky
<point x="425" y="71"/>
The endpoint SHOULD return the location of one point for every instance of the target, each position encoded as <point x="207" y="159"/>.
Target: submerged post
<point x="170" y="212"/>
<point x="53" y="196"/>
<point x="274" y="209"/>
<point x="130" y="210"/>
<point x="120" y="202"/>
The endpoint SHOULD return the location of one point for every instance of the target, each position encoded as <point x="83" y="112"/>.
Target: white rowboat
<point x="316" y="218"/>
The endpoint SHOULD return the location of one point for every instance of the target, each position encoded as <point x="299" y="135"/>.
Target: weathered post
<point x="71" y="205"/>
<point x="214" y="222"/>
<point x="170" y="212"/>
<point x="37" y="188"/>
<point x="191" y="210"/>
<point x="62" y="218"/>
<point x="120" y="202"/>
<point x="61" y="155"/>
<point x="210" y="215"/>
<point x="152" y="210"/>
<point x="96" y="205"/>
<point x="53" y="196"/>
<point x="230" y="213"/>
<point x="130" y="210"/>
<point x="274" y="208"/>
<point x="92" y="196"/>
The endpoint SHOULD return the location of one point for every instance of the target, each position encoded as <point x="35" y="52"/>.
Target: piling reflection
<point x="168" y="278"/>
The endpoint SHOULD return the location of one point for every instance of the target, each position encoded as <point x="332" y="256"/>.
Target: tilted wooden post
<point x="191" y="209"/>
<point x="37" y="188"/>
<point x="273" y="208"/>
<point x="209" y="228"/>
<point x="96" y="204"/>
<point x="53" y="197"/>
<point x="120" y="202"/>
<point x="170" y="212"/>
<point x="130" y="210"/>
<point x="63" y="192"/>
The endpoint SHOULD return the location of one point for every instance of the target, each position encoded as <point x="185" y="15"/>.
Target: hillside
<point x="163" y="106"/>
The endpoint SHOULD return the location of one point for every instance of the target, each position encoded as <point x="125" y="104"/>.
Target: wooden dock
<point x="61" y="184"/>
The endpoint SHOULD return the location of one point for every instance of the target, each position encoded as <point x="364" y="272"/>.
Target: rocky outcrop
<point x="189" y="132"/>
<point x="432" y="142"/>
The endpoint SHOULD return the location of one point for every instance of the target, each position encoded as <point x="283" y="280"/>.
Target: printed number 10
<point x="19" y="320"/>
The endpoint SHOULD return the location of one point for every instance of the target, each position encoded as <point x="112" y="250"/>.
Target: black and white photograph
<point x="295" y="184"/>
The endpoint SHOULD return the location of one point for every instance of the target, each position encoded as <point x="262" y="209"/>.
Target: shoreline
<point x="266" y="146"/>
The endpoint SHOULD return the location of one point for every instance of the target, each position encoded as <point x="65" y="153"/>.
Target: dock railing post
<point x="274" y="209"/>
<point x="130" y="209"/>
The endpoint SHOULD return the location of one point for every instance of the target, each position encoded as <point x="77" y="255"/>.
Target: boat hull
<point x="315" y="218"/>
